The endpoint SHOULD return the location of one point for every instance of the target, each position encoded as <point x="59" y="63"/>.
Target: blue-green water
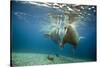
<point x="26" y="35"/>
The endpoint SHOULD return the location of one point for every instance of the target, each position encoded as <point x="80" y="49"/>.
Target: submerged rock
<point x="51" y="58"/>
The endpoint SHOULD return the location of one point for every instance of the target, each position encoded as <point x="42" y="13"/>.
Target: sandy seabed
<point x="28" y="59"/>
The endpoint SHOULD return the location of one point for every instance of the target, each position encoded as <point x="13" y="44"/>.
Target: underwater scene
<point x="45" y="33"/>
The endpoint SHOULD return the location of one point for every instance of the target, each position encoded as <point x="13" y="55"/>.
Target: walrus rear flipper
<point x="71" y="37"/>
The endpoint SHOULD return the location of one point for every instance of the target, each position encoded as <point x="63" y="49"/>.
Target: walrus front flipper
<point x="71" y="37"/>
